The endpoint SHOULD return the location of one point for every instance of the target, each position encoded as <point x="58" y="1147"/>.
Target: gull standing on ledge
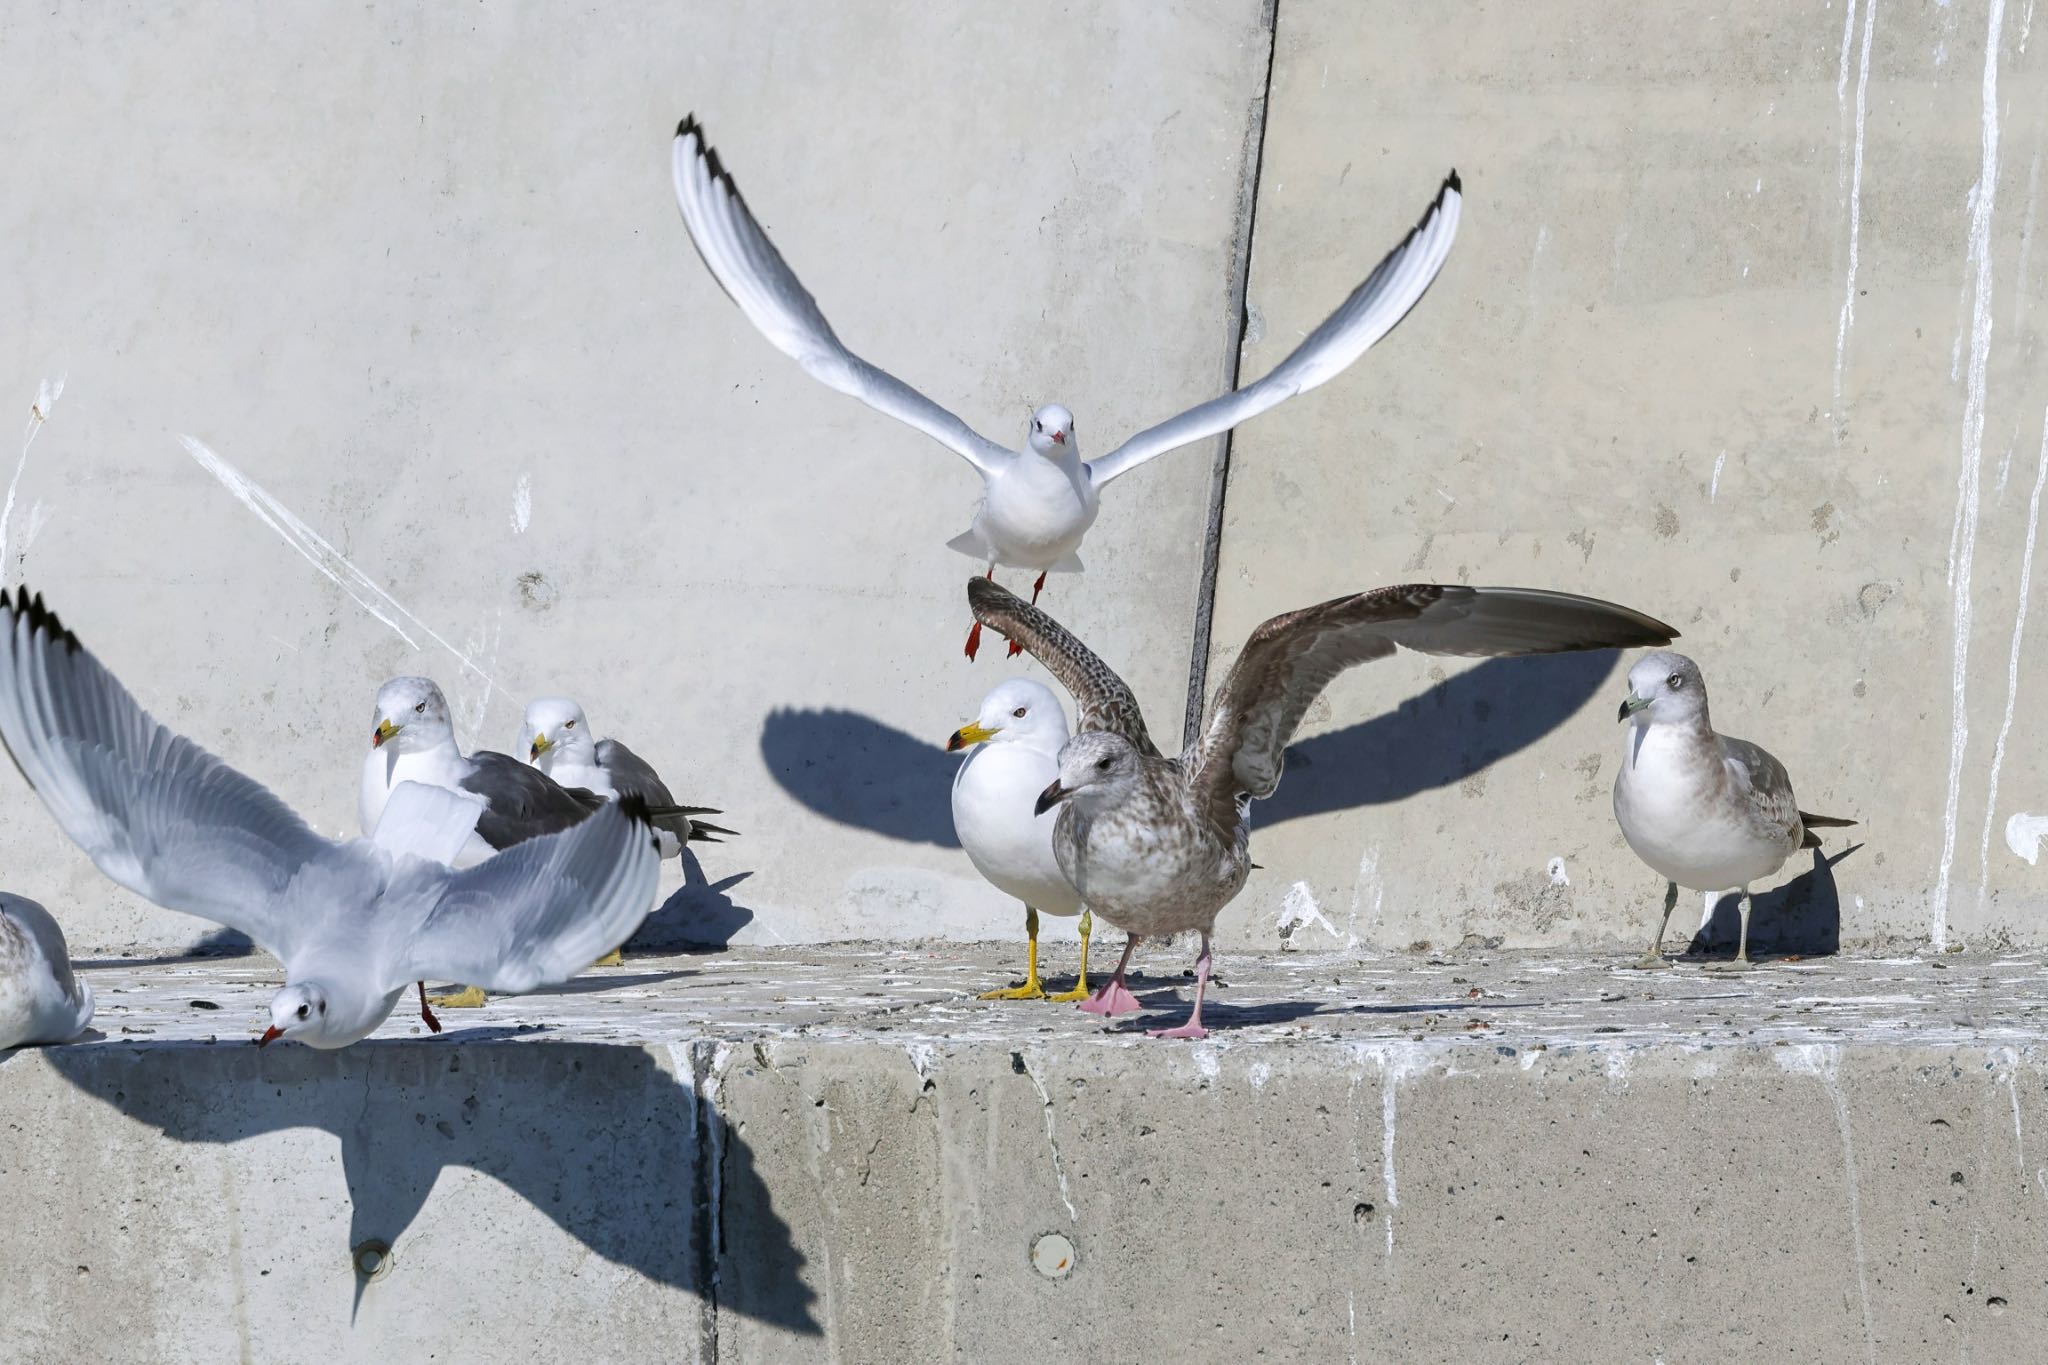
<point x="1160" y="845"/>
<point x="1704" y="811"/>
<point x="40" y="1000"/>
<point x="1037" y="504"/>
<point x="353" y="923"/>
<point x="1015" y="743"/>
<point x="562" y="748"/>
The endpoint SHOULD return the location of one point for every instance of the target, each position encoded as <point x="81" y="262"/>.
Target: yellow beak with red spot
<point x="385" y="730"/>
<point x="970" y="734"/>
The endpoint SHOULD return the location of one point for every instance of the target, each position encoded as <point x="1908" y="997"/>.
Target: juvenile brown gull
<point x="1158" y="845"/>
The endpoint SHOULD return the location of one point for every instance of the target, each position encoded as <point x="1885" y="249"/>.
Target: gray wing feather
<point x="1395" y="286"/>
<point x="1102" y="700"/>
<point x="1764" y="788"/>
<point x="632" y="775"/>
<point x="753" y="275"/>
<point x="522" y="802"/>
<point x="541" y="912"/>
<point x="153" y="810"/>
<point x="1290" y="659"/>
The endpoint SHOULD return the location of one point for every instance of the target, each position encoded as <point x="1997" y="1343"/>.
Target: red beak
<point x="377" y="739"/>
<point x="1059" y="438"/>
<point x="270" y="1035"/>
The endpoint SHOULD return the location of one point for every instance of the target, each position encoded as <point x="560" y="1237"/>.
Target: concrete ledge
<point x="838" y="1154"/>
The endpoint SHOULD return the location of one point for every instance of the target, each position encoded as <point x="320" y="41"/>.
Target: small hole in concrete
<point x="1361" y="1212"/>
<point x="372" y="1258"/>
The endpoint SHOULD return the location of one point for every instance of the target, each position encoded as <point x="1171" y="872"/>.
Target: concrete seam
<point x="704" y="1190"/>
<point x="1240" y="294"/>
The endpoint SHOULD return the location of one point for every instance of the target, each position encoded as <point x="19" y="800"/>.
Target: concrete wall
<point x="412" y="271"/>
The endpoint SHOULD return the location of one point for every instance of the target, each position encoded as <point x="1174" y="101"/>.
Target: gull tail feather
<point x="1813" y="822"/>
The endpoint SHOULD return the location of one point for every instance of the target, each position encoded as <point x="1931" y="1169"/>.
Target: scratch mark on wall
<point x="2012" y="665"/>
<point x="313" y="547"/>
<point x="47" y="394"/>
<point x="1969" y="474"/>
<point x="2023" y="835"/>
<point x="1714" y="487"/>
<point x="1823" y="1061"/>
<point x="522" y="505"/>
<point x="2019" y="307"/>
<point x="1059" y="1168"/>
<point x="1848" y="315"/>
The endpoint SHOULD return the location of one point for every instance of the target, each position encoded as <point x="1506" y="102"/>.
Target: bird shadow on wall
<point x="628" y="1159"/>
<point x="856" y="770"/>
<point x="1804" y="916"/>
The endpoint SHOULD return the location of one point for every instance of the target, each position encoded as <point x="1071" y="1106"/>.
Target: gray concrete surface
<point x="837" y="1154"/>
<point x="1625" y="383"/>
<point x="404" y="268"/>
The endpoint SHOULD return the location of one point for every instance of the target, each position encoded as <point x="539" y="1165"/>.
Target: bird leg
<point x="1036" y="588"/>
<point x="1080" y="991"/>
<point x="1115" y="998"/>
<point x="427" y="1015"/>
<point x="974" y="634"/>
<point x="1193" y="1027"/>
<point x="1031" y="989"/>
<point x="468" y="998"/>
<point x="1652" y="958"/>
<point x="1741" y="962"/>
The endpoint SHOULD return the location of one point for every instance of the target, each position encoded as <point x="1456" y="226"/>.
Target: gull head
<point x="1052" y="432"/>
<point x="298" y="1012"/>
<point x="1663" y="688"/>
<point x="1018" y="712"/>
<point x="411" y="715"/>
<point x="557" y="732"/>
<point x="1097" y="769"/>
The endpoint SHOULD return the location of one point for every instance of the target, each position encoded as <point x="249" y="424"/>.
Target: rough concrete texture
<point x="1743" y="328"/>
<point x="419" y="275"/>
<point x="812" y="1154"/>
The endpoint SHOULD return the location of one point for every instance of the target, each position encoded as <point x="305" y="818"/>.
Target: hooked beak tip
<point x="270" y="1035"/>
<point x="955" y="743"/>
<point x="1630" y="705"/>
<point x="1059" y="438"/>
<point x="1050" y="797"/>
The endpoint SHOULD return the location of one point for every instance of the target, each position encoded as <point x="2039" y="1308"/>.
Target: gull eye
<point x="302" y="1011"/>
<point x="420" y="710"/>
<point x="1018" y="713"/>
<point x="1676" y="682"/>
<point x="568" y="725"/>
<point x="1102" y="765"/>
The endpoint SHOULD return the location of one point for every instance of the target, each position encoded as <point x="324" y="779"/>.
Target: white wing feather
<point x="427" y="822"/>
<point x="754" y="276"/>
<point x="1396" y="284"/>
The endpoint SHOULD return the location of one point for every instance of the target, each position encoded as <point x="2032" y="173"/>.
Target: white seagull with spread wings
<point x="1037" y="504"/>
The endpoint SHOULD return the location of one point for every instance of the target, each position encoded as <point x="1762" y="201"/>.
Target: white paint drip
<point x="2023" y="835"/>
<point x="316" y="551"/>
<point x="1298" y="910"/>
<point x="1714" y="486"/>
<point x="522" y="505"/>
<point x="1368" y="880"/>
<point x="2026" y="27"/>
<point x="47" y="394"/>
<point x="2012" y="667"/>
<point x="1397" y="1062"/>
<point x="2020" y="292"/>
<point x="2012" y="1090"/>
<point x="1823" y="1061"/>
<point x="1558" y="875"/>
<point x="924" y="1057"/>
<point x="1259" y="1074"/>
<point x="38" y="517"/>
<point x="1842" y="67"/>
<point x="1059" y="1168"/>
<point x="1848" y="314"/>
<point x="1969" y="475"/>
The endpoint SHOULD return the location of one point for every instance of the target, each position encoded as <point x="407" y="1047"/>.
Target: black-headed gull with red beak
<point x="1037" y="504"/>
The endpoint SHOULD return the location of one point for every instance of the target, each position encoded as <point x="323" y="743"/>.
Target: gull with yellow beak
<point x="563" y="747"/>
<point x="1703" y="810"/>
<point x="1014" y="748"/>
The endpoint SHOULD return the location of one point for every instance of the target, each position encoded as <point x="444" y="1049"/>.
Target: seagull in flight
<point x="1037" y="503"/>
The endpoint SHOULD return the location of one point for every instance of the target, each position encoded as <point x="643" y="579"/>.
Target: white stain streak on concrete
<point x="2023" y="835"/>
<point x="1714" y="486"/>
<point x="1848" y="314"/>
<point x="1969" y="475"/>
<point x="38" y="518"/>
<point x="1368" y="883"/>
<point x="2012" y="666"/>
<point x="1298" y="910"/>
<point x="313" y="547"/>
<point x="2008" y="1073"/>
<point x="47" y="394"/>
<point x="522" y="505"/>
<point x="2026" y="27"/>
<point x="1823" y="1061"/>
<point x="1558" y="875"/>
<point x="1397" y="1063"/>
<point x="1059" y="1168"/>
<point x="2020" y="291"/>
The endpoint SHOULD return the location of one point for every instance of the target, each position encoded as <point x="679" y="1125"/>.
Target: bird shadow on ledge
<point x="701" y="913"/>
<point x="856" y="770"/>
<point x="633" y="1162"/>
<point x="1803" y="917"/>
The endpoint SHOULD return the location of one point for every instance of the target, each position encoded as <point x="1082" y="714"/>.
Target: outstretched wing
<point x="753" y="275"/>
<point x="1291" y="658"/>
<point x="153" y="810"/>
<point x="542" y="911"/>
<point x="1396" y="284"/>
<point x="1102" y="700"/>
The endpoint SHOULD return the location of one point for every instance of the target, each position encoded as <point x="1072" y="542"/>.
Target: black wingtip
<point x="1452" y="182"/>
<point x="40" y="617"/>
<point x="634" y="807"/>
<point x="690" y="125"/>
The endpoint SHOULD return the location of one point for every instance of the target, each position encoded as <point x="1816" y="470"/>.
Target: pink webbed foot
<point x="1112" y="1000"/>
<point x="973" y="641"/>
<point x="1015" y="649"/>
<point x="1191" y="1029"/>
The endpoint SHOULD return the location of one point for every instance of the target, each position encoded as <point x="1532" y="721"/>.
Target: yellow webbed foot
<point x="1030" y="990"/>
<point x="615" y="958"/>
<point x="468" y="998"/>
<point x="1080" y="992"/>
